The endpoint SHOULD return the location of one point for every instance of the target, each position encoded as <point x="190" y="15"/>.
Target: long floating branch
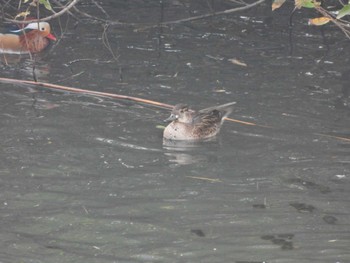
<point x="85" y="91"/>
<point x="102" y="94"/>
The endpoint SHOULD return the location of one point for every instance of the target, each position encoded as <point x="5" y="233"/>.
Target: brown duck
<point x="188" y="124"/>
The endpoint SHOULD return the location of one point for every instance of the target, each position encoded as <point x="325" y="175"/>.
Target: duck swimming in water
<point x="188" y="124"/>
<point x="33" y="38"/>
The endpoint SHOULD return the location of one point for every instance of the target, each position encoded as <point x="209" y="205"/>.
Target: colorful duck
<point x="33" y="38"/>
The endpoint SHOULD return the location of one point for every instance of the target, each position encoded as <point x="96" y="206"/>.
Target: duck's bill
<point x="172" y="117"/>
<point x="52" y="37"/>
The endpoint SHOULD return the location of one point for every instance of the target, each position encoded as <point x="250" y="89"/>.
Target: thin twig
<point x="338" y="22"/>
<point x="106" y="43"/>
<point x="62" y="6"/>
<point x="48" y="18"/>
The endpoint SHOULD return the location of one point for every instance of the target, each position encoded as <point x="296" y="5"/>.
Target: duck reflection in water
<point x="191" y="152"/>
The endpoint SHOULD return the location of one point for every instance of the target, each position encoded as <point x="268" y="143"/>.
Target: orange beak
<point x="52" y="37"/>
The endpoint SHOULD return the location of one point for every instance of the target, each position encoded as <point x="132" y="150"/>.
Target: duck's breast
<point x="34" y="42"/>
<point x="178" y="131"/>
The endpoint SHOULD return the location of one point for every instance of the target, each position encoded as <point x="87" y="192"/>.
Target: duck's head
<point x="43" y="28"/>
<point x="179" y="112"/>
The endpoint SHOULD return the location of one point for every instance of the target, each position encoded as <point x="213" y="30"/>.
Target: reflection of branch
<point x="101" y="8"/>
<point x="64" y="10"/>
<point x="228" y="11"/>
<point x="72" y="4"/>
<point x="225" y="12"/>
<point x="90" y="16"/>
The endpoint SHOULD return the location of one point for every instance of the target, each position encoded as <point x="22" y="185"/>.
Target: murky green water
<point x="87" y="179"/>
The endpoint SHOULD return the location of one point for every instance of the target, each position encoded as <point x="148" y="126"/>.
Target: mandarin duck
<point x="33" y="38"/>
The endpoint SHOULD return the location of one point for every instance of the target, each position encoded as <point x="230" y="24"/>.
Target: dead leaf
<point x="277" y="4"/>
<point x="22" y="14"/>
<point x="319" y="21"/>
<point x="205" y="178"/>
<point x="237" y="62"/>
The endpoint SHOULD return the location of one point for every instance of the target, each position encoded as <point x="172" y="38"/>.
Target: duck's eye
<point x="42" y="29"/>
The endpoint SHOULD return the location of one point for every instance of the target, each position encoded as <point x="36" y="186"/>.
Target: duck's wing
<point x="224" y="110"/>
<point x="207" y="123"/>
<point x="223" y="107"/>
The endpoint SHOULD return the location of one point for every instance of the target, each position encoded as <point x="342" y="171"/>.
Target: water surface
<point x="88" y="179"/>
